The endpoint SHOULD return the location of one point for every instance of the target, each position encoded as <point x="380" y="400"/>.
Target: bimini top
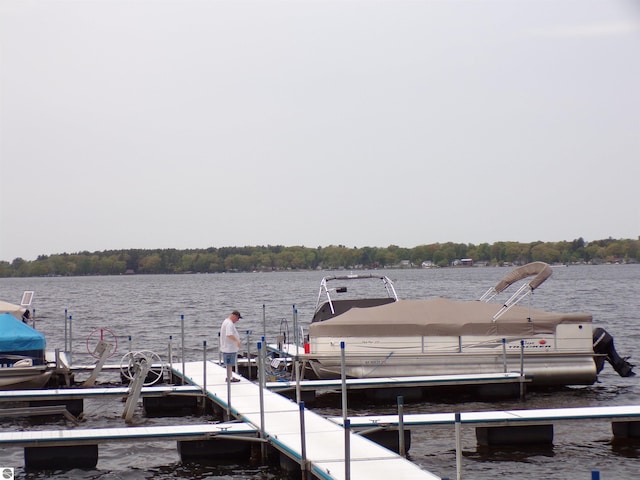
<point x="16" y="336"/>
<point x="441" y="317"/>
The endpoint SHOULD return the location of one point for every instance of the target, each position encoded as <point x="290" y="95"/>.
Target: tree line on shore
<point x="274" y="258"/>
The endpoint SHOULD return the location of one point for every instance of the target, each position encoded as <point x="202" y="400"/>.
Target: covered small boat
<point x="391" y="337"/>
<point x="22" y="353"/>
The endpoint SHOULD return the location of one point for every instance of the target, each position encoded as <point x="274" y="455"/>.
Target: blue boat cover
<point x="16" y="336"/>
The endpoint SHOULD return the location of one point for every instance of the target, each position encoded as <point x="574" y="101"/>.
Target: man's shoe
<point x="234" y="379"/>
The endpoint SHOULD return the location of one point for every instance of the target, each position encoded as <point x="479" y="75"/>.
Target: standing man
<point x="230" y="343"/>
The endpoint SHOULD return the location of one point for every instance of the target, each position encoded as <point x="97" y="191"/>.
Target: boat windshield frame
<point x="325" y="290"/>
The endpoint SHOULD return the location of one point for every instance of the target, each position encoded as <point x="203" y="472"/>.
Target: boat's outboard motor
<point x="603" y="344"/>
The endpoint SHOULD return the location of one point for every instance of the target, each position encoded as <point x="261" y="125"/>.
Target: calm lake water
<point x="143" y="312"/>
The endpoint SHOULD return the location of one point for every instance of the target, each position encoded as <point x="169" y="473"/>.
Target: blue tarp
<point x="16" y="336"/>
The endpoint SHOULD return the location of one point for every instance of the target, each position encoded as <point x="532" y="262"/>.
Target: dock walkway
<point x="402" y="382"/>
<point x="324" y="440"/>
<point x="506" y="417"/>
<point x="91" y="436"/>
<point x="74" y="393"/>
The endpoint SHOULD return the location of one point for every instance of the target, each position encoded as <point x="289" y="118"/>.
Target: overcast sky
<point x="191" y="124"/>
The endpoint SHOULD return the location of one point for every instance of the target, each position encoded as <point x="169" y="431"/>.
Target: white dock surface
<point x="401" y="382"/>
<point x="98" y="435"/>
<point x="324" y="439"/>
<point x="73" y="393"/>
<point x="506" y="417"/>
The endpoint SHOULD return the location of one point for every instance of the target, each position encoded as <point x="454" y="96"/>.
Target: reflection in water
<point x="506" y="453"/>
<point x="628" y="448"/>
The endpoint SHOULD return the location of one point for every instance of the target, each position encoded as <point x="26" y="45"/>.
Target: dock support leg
<point x="347" y="450"/>
<point x="458" y="418"/>
<point x="303" y="443"/>
<point x="228" y="409"/>
<point x="401" y="443"/>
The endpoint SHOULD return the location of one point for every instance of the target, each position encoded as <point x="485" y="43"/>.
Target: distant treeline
<point x="273" y="258"/>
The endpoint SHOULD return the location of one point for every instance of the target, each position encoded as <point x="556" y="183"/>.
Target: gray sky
<point x="190" y="124"/>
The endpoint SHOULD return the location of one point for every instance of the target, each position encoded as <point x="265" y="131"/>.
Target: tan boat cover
<point x="540" y="269"/>
<point x="441" y="317"/>
<point x="15" y="310"/>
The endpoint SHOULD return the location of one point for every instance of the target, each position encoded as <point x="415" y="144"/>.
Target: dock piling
<point x="182" y="354"/>
<point x="70" y="341"/>
<point x="170" y="355"/>
<point x="264" y="322"/>
<point x="66" y="318"/>
<point x="296" y="366"/>
<point x="248" y="332"/>
<point x="347" y="450"/>
<point x="303" y="443"/>
<point x="204" y="367"/>
<point x="504" y="354"/>
<point x="401" y="444"/>
<point x="458" y="424"/>
<point x="343" y="377"/>
<point x="261" y="383"/>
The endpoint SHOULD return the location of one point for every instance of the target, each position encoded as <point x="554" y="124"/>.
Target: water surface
<point x="144" y="313"/>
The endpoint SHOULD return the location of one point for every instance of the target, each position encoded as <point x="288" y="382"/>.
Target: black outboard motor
<point x="603" y="344"/>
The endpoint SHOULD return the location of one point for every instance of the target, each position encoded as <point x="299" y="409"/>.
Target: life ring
<point x="102" y="330"/>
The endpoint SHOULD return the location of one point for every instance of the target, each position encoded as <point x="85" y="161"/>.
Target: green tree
<point x="150" y="264"/>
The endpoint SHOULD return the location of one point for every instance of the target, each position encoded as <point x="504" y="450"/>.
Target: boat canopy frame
<point x="541" y="270"/>
<point x="326" y="291"/>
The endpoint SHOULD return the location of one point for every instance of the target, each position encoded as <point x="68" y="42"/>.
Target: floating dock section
<point x="319" y="449"/>
<point x="78" y="448"/>
<point x="510" y="427"/>
<point x="312" y="444"/>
